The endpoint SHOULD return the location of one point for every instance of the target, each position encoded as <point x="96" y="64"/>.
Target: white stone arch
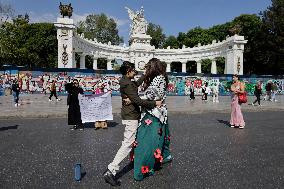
<point x="140" y="51"/>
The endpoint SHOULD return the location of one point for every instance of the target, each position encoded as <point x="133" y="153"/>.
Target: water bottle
<point x="78" y="172"/>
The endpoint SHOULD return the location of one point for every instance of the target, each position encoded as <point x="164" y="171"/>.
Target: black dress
<point x="74" y="114"/>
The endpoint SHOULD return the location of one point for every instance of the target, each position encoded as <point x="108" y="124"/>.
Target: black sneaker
<point x="74" y="127"/>
<point x="110" y="178"/>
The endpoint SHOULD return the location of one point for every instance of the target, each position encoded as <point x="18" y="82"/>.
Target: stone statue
<point x="66" y="10"/>
<point x="139" y="24"/>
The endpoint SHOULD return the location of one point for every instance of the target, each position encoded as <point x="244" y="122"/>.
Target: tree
<point x="33" y="45"/>
<point x="273" y="30"/>
<point x="156" y="32"/>
<point x="101" y="27"/>
<point x="172" y="42"/>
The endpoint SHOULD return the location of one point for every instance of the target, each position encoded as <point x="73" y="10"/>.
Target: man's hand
<point x="158" y="103"/>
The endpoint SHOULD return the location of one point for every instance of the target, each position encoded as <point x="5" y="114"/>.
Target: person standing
<point x="16" y="92"/>
<point x="257" y="93"/>
<point x="268" y="91"/>
<point x="130" y="114"/>
<point x="191" y="97"/>
<point x="274" y="89"/>
<point x="74" y="114"/>
<point x="53" y="91"/>
<point x="215" y="92"/>
<point x="237" y="88"/>
<point x="102" y="123"/>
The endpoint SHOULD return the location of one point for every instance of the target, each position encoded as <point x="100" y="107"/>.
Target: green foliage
<point x="273" y="37"/>
<point x="156" y="32"/>
<point x="24" y="44"/>
<point x="101" y="27"/>
<point x="172" y="42"/>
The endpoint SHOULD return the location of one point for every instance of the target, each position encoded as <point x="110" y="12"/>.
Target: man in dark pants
<point x="16" y="92"/>
<point x="130" y="114"/>
<point x="53" y="91"/>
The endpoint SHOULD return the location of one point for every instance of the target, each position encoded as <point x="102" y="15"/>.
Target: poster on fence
<point x="95" y="107"/>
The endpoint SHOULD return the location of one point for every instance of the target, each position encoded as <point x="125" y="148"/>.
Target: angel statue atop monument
<point x="139" y="24"/>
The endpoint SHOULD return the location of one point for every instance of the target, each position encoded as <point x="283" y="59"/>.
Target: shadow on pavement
<point x="125" y="170"/>
<point x="9" y="127"/>
<point x="224" y="122"/>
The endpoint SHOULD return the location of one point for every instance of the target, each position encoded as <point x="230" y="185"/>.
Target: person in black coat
<point x="74" y="114"/>
<point x="16" y="92"/>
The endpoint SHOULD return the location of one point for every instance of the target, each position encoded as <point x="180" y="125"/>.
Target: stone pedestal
<point x="65" y="32"/>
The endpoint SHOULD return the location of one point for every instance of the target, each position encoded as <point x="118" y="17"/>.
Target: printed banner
<point x="95" y="107"/>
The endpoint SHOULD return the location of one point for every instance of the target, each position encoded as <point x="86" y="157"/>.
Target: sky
<point x="173" y="16"/>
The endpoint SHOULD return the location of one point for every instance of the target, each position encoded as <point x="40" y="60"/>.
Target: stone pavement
<point x="207" y="153"/>
<point x="38" y="106"/>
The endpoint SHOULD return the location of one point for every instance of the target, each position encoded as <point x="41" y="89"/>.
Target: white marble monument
<point x="140" y="50"/>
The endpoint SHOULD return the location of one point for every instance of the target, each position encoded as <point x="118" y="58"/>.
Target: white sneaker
<point x="16" y="105"/>
<point x="49" y="100"/>
<point x="217" y="101"/>
<point x="58" y="99"/>
<point x="252" y="104"/>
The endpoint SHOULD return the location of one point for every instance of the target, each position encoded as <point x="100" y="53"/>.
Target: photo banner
<point x="95" y="107"/>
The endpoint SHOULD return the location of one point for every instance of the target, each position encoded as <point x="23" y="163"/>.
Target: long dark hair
<point x="154" y="68"/>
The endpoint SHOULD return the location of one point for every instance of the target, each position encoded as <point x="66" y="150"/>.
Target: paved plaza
<point x="41" y="152"/>
<point x="38" y="106"/>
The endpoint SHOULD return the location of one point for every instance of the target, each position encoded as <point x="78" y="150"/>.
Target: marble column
<point x="168" y="66"/>
<point x="183" y="69"/>
<point x="198" y="66"/>
<point x="95" y="63"/>
<point x="82" y="61"/>
<point x="213" y="66"/>
<point x="109" y="66"/>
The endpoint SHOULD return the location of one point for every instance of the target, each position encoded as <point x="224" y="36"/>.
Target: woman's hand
<point x="127" y="101"/>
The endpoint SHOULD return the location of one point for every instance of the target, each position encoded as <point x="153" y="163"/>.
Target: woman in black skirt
<point x="74" y="114"/>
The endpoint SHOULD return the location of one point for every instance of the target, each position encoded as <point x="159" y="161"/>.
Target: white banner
<point x="95" y="107"/>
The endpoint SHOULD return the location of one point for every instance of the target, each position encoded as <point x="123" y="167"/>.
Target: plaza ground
<point x="41" y="153"/>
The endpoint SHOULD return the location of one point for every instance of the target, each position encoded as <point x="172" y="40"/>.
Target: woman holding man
<point x="151" y="147"/>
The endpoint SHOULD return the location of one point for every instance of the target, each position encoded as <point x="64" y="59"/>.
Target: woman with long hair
<point x="237" y="88"/>
<point x="151" y="147"/>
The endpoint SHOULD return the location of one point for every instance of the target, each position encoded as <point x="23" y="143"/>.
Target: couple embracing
<point x="146" y="129"/>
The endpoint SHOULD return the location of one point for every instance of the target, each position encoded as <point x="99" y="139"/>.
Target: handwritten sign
<point x="95" y="107"/>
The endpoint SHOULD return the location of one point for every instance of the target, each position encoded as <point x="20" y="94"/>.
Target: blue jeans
<point x="16" y="97"/>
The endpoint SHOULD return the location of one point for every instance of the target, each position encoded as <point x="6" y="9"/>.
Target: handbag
<point x="243" y="97"/>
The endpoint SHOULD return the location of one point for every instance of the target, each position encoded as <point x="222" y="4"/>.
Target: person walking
<point x="257" y="93"/>
<point x="53" y="91"/>
<point x="74" y="114"/>
<point x="130" y="114"/>
<point x="237" y="88"/>
<point x="16" y="92"/>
